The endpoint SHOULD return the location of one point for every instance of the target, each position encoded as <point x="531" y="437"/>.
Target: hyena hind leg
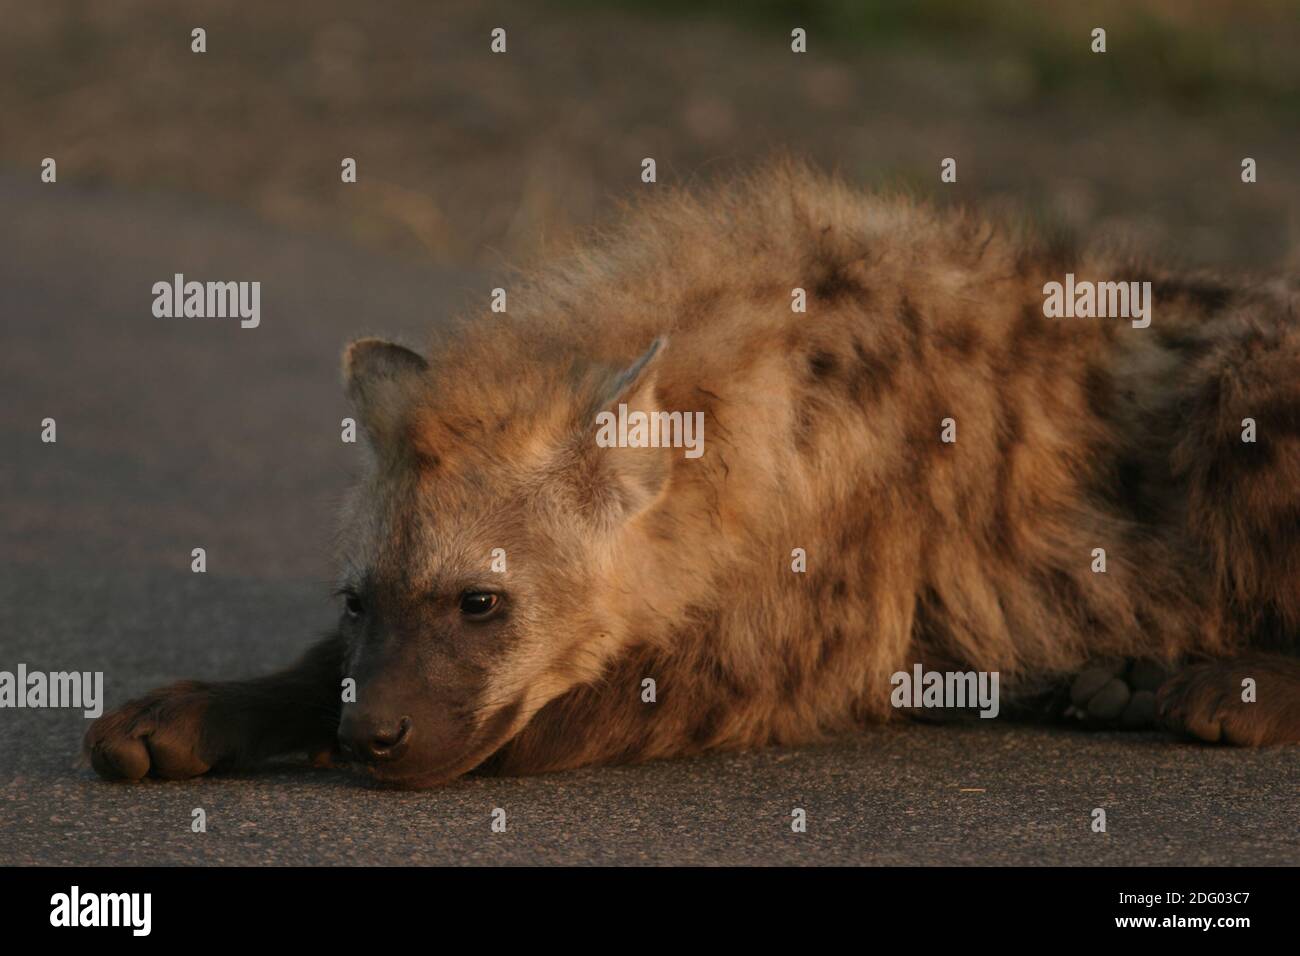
<point x="1208" y="700"/>
<point x="1117" y="694"/>
<point x="1250" y="701"/>
<point x="1237" y="457"/>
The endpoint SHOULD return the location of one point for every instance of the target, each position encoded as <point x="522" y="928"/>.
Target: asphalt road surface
<point x="183" y="433"/>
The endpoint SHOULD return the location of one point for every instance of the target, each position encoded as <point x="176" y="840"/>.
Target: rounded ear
<point x="380" y="378"/>
<point x="637" y="379"/>
<point x="630" y="478"/>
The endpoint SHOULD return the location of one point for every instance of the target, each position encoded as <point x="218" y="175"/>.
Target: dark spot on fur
<point x="837" y="281"/>
<point x="1276" y="543"/>
<point x="792" y="682"/>
<point x="1003" y="527"/>
<point x="870" y="375"/>
<point x="1269" y="628"/>
<point x="962" y="339"/>
<point x="1253" y="456"/>
<point x="928" y="629"/>
<point x="1130" y="485"/>
<point x="1031" y="342"/>
<point x="830" y="646"/>
<point x="1010" y="429"/>
<point x="723" y="682"/>
<point x="822" y="364"/>
<point x="705" y="730"/>
<point x="911" y="322"/>
<point x="1067" y="596"/>
<point x="701" y="302"/>
<point x="1099" y="390"/>
<point x="1275" y="418"/>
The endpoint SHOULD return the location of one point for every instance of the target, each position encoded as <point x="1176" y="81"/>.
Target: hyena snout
<point x="376" y="738"/>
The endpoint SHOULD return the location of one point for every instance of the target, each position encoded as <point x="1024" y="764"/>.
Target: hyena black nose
<point x="376" y="740"/>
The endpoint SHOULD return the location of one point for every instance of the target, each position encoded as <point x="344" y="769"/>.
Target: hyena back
<point x="941" y="462"/>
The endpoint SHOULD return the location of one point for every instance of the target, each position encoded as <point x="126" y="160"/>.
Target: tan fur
<point x="822" y="432"/>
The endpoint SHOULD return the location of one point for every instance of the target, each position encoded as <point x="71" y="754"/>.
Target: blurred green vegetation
<point x="475" y="158"/>
<point x="1192" y="53"/>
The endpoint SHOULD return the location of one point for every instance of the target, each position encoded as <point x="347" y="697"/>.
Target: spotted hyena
<point x="901" y="460"/>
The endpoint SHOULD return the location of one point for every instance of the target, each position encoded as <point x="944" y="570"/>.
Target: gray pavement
<point x="175" y="434"/>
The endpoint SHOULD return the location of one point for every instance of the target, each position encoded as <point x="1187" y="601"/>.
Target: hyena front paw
<point x="1120" y="694"/>
<point x="1249" y="702"/>
<point x="165" y="733"/>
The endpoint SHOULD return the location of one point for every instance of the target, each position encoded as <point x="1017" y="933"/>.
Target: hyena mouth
<point x="481" y="752"/>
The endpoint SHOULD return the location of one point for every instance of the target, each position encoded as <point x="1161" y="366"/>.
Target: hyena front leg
<point x="189" y="728"/>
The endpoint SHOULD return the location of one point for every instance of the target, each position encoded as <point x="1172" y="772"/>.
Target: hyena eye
<point x="353" y="607"/>
<point x="479" y="604"/>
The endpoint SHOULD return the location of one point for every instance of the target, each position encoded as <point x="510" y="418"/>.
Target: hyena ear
<point x="629" y="479"/>
<point x="381" y="378"/>
<point x="637" y="380"/>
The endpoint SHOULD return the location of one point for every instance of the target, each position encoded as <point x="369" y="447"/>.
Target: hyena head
<point x="478" y="549"/>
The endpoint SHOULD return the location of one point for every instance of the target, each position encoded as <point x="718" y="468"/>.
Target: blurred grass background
<point x="470" y="158"/>
<point x="1197" y="52"/>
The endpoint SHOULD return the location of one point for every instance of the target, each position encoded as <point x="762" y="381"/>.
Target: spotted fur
<point x="822" y="432"/>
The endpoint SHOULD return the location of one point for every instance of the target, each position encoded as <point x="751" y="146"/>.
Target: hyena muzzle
<point x="901" y="460"/>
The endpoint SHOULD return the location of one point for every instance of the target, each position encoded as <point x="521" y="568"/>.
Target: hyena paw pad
<point x="1116" y="694"/>
<point x="160" y="734"/>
